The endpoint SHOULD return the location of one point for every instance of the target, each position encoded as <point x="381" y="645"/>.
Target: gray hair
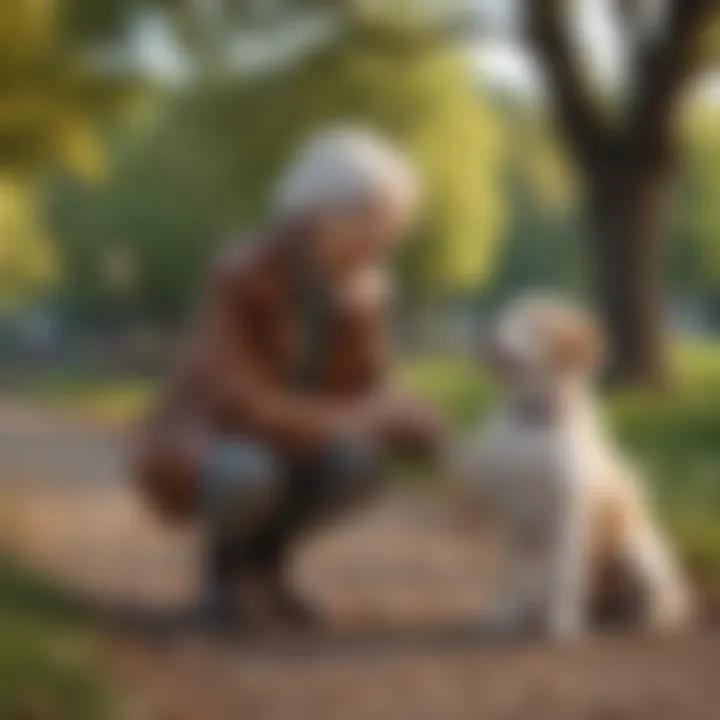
<point x="342" y="167"/>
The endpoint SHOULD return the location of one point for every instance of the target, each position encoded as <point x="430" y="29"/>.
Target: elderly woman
<point x="277" y="415"/>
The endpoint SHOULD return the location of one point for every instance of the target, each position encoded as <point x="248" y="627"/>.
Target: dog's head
<point x="543" y="338"/>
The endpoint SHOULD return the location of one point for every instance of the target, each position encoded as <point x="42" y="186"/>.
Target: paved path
<point x="401" y="582"/>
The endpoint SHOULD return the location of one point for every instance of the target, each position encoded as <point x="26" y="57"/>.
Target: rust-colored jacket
<point x="233" y="378"/>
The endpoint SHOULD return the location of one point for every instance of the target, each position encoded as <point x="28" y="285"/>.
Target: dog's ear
<point x="581" y="344"/>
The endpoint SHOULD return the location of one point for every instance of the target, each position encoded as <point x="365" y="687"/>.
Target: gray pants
<point x="256" y="503"/>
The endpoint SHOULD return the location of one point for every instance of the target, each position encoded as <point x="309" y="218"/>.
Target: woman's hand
<point x="401" y="423"/>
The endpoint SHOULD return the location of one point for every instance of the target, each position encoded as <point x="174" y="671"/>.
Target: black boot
<point x="269" y="559"/>
<point x="221" y="609"/>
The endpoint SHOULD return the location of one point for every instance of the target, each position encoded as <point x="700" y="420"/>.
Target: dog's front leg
<point x="668" y="605"/>
<point x="508" y="611"/>
<point x="566" y="610"/>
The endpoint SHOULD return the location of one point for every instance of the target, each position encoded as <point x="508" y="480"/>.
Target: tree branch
<point x="664" y="68"/>
<point x="577" y="112"/>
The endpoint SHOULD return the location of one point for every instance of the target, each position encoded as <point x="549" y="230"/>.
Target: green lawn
<point x="47" y="659"/>
<point x="675" y="434"/>
<point x="97" y="396"/>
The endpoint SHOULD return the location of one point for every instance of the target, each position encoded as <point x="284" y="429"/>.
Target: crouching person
<point x="277" y="417"/>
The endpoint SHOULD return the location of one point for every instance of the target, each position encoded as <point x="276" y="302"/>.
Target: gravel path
<point x="402" y="584"/>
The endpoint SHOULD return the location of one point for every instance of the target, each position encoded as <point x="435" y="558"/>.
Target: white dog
<point x="581" y="542"/>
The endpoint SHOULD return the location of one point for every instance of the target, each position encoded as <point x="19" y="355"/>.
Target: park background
<point x="572" y="146"/>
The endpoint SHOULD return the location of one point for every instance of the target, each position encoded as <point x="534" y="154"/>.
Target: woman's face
<point x="349" y="239"/>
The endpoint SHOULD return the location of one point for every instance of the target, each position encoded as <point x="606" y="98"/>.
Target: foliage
<point x="627" y="151"/>
<point x="415" y="88"/>
<point x="542" y="246"/>
<point x="27" y="260"/>
<point x="674" y="434"/>
<point x="160" y="210"/>
<point x="697" y="227"/>
<point x="46" y="658"/>
<point x="175" y="189"/>
<point x="51" y="99"/>
<point x="205" y="166"/>
<point x="51" y="90"/>
<point x="503" y="206"/>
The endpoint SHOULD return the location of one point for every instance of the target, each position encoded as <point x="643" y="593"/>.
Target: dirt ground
<point x="402" y="584"/>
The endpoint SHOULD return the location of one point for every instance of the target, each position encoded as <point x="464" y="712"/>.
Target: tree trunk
<point x="628" y="214"/>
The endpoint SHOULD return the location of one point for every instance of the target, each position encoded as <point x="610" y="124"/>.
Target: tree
<point x="412" y="84"/>
<point x="626" y="154"/>
<point x="52" y="102"/>
<point x="542" y="246"/>
<point x="206" y="165"/>
<point x="165" y="207"/>
<point x="628" y="160"/>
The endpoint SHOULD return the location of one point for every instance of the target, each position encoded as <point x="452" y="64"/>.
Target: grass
<point x="112" y="398"/>
<point x="47" y="658"/>
<point x="675" y="435"/>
